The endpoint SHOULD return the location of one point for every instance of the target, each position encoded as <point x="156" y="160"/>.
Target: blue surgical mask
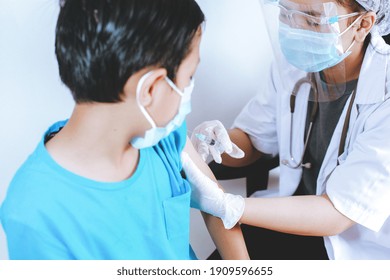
<point x="155" y="134"/>
<point x="311" y="51"/>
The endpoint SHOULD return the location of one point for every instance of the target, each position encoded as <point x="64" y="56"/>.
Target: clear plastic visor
<point x="314" y="17"/>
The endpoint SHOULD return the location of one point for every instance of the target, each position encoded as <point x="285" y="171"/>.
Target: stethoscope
<point x="292" y="163"/>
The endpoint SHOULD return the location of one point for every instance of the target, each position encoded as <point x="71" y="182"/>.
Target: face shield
<point x="310" y="39"/>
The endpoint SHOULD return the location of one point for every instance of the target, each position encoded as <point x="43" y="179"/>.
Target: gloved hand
<point x="208" y="197"/>
<point x="214" y="130"/>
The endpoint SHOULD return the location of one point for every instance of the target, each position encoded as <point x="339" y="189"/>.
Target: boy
<point x="106" y="183"/>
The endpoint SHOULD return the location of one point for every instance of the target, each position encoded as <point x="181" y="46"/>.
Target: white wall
<point x="235" y="57"/>
<point x="31" y="94"/>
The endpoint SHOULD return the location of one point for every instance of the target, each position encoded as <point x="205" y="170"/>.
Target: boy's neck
<point x="95" y="144"/>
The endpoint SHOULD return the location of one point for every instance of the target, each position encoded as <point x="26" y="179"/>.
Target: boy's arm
<point x="230" y="243"/>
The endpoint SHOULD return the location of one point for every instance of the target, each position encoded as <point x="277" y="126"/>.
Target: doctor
<point x="326" y="113"/>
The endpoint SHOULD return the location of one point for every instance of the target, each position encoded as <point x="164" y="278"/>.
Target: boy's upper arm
<point x="230" y="243"/>
<point x="196" y="158"/>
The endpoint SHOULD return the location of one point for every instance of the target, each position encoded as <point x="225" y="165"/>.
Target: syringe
<point x="210" y="141"/>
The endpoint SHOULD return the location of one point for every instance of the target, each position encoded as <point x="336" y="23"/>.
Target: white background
<point x="235" y="57"/>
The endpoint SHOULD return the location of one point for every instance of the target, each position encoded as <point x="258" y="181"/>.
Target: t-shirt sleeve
<point x="180" y="137"/>
<point x="169" y="150"/>
<point x="173" y="145"/>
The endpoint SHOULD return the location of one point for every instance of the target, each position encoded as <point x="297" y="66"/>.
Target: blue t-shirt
<point x="52" y="213"/>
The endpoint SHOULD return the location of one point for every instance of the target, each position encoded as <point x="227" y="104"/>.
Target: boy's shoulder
<point x="177" y="139"/>
<point x="37" y="163"/>
<point x="35" y="171"/>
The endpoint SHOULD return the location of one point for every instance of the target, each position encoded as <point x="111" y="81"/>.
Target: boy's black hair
<point x="101" y="43"/>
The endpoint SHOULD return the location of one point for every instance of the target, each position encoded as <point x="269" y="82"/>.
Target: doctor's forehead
<point x="308" y="2"/>
<point x="313" y="7"/>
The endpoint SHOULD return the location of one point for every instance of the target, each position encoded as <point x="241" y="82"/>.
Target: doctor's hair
<point x="100" y="44"/>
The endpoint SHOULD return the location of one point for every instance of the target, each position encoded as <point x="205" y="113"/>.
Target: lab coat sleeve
<point x="360" y="186"/>
<point x="258" y="117"/>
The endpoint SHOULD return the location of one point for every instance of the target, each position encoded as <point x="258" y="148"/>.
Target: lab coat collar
<point x="372" y="82"/>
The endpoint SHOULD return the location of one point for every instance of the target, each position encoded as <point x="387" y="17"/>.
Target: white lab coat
<point x="360" y="186"/>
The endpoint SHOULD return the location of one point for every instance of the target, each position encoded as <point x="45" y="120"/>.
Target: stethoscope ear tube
<point x="294" y="93"/>
<point x="292" y="103"/>
<point x="313" y="114"/>
<point x="315" y="104"/>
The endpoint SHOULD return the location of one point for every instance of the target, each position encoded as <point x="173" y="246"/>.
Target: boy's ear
<point x="366" y="24"/>
<point x="150" y="85"/>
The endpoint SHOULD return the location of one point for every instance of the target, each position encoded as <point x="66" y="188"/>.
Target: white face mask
<point x="155" y="134"/>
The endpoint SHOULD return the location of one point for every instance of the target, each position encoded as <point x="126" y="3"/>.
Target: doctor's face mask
<point x="155" y="134"/>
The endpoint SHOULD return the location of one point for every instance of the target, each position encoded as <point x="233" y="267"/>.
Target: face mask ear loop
<point x="175" y="88"/>
<point x="350" y="47"/>
<point x="138" y="92"/>
<point x="350" y="26"/>
<point x="346" y="30"/>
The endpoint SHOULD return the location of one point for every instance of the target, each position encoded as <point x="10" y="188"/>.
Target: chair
<point x="387" y="39"/>
<point x="256" y="174"/>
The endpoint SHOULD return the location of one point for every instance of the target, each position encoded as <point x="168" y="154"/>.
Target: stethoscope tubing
<point x="313" y="114"/>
